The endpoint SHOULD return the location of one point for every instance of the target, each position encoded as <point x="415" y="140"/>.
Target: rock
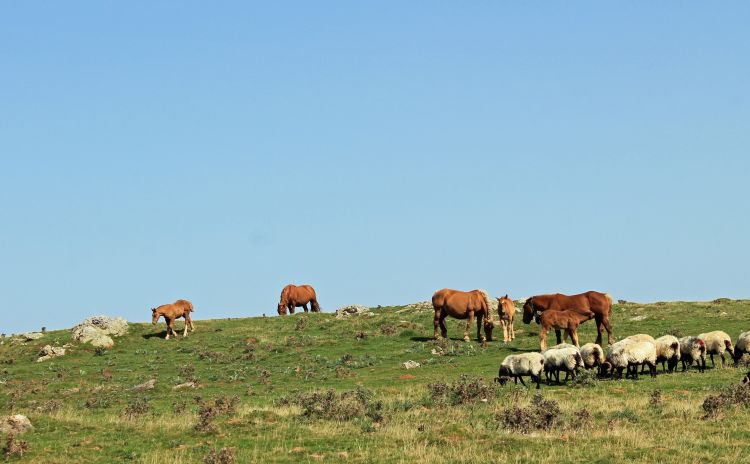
<point x="99" y="330"/>
<point x="185" y="385"/>
<point x="411" y="364"/>
<point x="15" y="425"/>
<point x="638" y="318"/>
<point x="351" y="310"/>
<point x="28" y="336"/>
<point x="49" y="352"/>
<point x="145" y="386"/>
<point x="418" y="307"/>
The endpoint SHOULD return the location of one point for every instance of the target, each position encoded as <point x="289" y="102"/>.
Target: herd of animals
<point x="553" y="311"/>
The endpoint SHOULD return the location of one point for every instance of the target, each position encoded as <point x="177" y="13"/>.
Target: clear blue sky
<point x="151" y="151"/>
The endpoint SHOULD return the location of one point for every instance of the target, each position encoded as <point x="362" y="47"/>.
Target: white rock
<point x="28" y="336"/>
<point x="411" y="364"/>
<point x="145" y="386"/>
<point x="49" y="352"/>
<point x="99" y="330"/>
<point x="16" y="425"/>
<point x="351" y="310"/>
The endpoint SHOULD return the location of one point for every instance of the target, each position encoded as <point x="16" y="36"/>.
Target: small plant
<point x="222" y="405"/>
<point x="464" y="390"/>
<point x="187" y="373"/>
<point x="626" y="414"/>
<point x="100" y="351"/>
<point x="581" y="419"/>
<point x="179" y="407"/>
<point x="655" y="399"/>
<point x="345" y="406"/>
<point x="224" y="456"/>
<point x="301" y="324"/>
<point x="265" y="376"/>
<point x="137" y="407"/>
<point x="387" y="329"/>
<point x="585" y="378"/>
<point x="360" y="335"/>
<point x="97" y="402"/>
<point x="14" y="447"/>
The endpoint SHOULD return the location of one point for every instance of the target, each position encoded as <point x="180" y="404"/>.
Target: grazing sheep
<point x="629" y="354"/>
<point x="592" y="355"/>
<point x="742" y="347"/>
<point x="642" y="338"/>
<point x="717" y="342"/>
<point x="692" y="349"/>
<point x="516" y="366"/>
<point x="668" y="349"/>
<point x="562" y="357"/>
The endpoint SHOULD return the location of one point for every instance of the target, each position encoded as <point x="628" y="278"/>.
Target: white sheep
<point x="562" y="357"/>
<point x="717" y="342"/>
<point x="641" y="338"/>
<point x="592" y="355"/>
<point x="692" y="349"/>
<point x="516" y="366"/>
<point x="668" y="350"/>
<point x="629" y="354"/>
<point x="742" y="347"/>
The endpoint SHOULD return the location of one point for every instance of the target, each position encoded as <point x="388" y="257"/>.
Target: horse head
<point x="528" y="311"/>
<point x="281" y="309"/>
<point x="154" y="316"/>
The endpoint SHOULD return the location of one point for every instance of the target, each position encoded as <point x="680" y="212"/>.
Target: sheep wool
<point x="668" y="350"/>
<point x="592" y="355"/>
<point x="717" y="342"/>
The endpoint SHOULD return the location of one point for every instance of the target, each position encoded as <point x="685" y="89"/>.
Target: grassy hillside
<point x="255" y="377"/>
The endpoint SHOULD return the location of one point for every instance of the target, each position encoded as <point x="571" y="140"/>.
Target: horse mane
<point x="488" y="302"/>
<point x="285" y="294"/>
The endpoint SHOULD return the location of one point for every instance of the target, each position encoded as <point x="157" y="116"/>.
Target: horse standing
<point x="567" y="320"/>
<point x="293" y="296"/>
<point x="598" y="303"/>
<point x="463" y="305"/>
<point x="176" y="310"/>
<point x="506" y="309"/>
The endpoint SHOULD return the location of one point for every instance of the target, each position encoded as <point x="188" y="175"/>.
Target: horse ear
<point x="153" y="310"/>
<point x="506" y="295"/>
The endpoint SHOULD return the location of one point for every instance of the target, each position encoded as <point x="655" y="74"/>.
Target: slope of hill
<point x="255" y="381"/>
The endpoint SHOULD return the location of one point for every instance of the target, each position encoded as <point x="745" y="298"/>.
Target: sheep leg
<point x="537" y="379"/>
<point x="513" y="331"/>
<point x="652" y="369"/>
<point x="712" y="360"/>
<point x="521" y="379"/>
<point x="722" y="360"/>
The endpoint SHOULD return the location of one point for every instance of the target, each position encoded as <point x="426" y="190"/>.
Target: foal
<point x="567" y="320"/>
<point x="506" y="309"/>
<point x="176" y="310"/>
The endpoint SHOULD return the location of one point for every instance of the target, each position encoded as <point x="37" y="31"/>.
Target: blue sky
<point x="379" y="151"/>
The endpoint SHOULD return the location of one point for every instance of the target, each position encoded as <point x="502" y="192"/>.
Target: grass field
<point x="255" y="378"/>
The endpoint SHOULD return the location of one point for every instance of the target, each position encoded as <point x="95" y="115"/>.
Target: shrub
<point x="224" y="456"/>
<point x="463" y="390"/>
<point x="14" y="447"/>
<point x="541" y="414"/>
<point x="222" y="405"/>
<point x="735" y="395"/>
<point x="655" y="399"/>
<point x="136" y="408"/>
<point x="334" y="406"/>
<point x="301" y="324"/>
<point x="387" y="329"/>
<point x="581" y="419"/>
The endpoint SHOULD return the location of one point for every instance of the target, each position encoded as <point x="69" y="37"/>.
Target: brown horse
<point x="176" y="310"/>
<point x="598" y="303"/>
<point x="506" y="309"/>
<point x="293" y="296"/>
<point x="567" y="320"/>
<point x="463" y="305"/>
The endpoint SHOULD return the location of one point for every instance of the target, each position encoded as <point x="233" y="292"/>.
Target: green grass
<point x="77" y="403"/>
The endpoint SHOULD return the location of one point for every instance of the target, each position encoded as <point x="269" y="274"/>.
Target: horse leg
<point x="305" y="307"/>
<point x="443" y="328"/>
<point x="512" y="330"/>
<point x="610" y="334"/>
<point x="184" y="332"/>
<point x="599" y="327"/>
<point x="573" y="334"/>
<point x="559" y="337"/>
<point x="169" y="328"/>
<point x="436" y="321"/>
<point x="468" y="326"/>
<point x="506" y="335"/>
<point x="543" y="338"/>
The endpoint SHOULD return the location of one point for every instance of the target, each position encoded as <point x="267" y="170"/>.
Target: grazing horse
<point x="567" y="320"/>
<point x="463" y="305"/>
<point x="176" y="310"/>
<point x="506" y="309"/>
<point x="293" y="296"/>
<point x="598" y="303"/>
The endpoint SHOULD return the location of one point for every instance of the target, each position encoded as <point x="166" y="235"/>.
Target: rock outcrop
<point x="49" y="352"/>
<point x="352" y="310"/>
<point x="15" y="425"/>
<point x="99" y="330"/>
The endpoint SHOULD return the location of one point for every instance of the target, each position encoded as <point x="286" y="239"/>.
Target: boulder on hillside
<point x="352" y="310"/>
<point x="49" y="352"/>
<point x="99" y="330"/>
<point x="420" y="306"/>
<point x="29" y="336"/>
<point x="15" y="425"/>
